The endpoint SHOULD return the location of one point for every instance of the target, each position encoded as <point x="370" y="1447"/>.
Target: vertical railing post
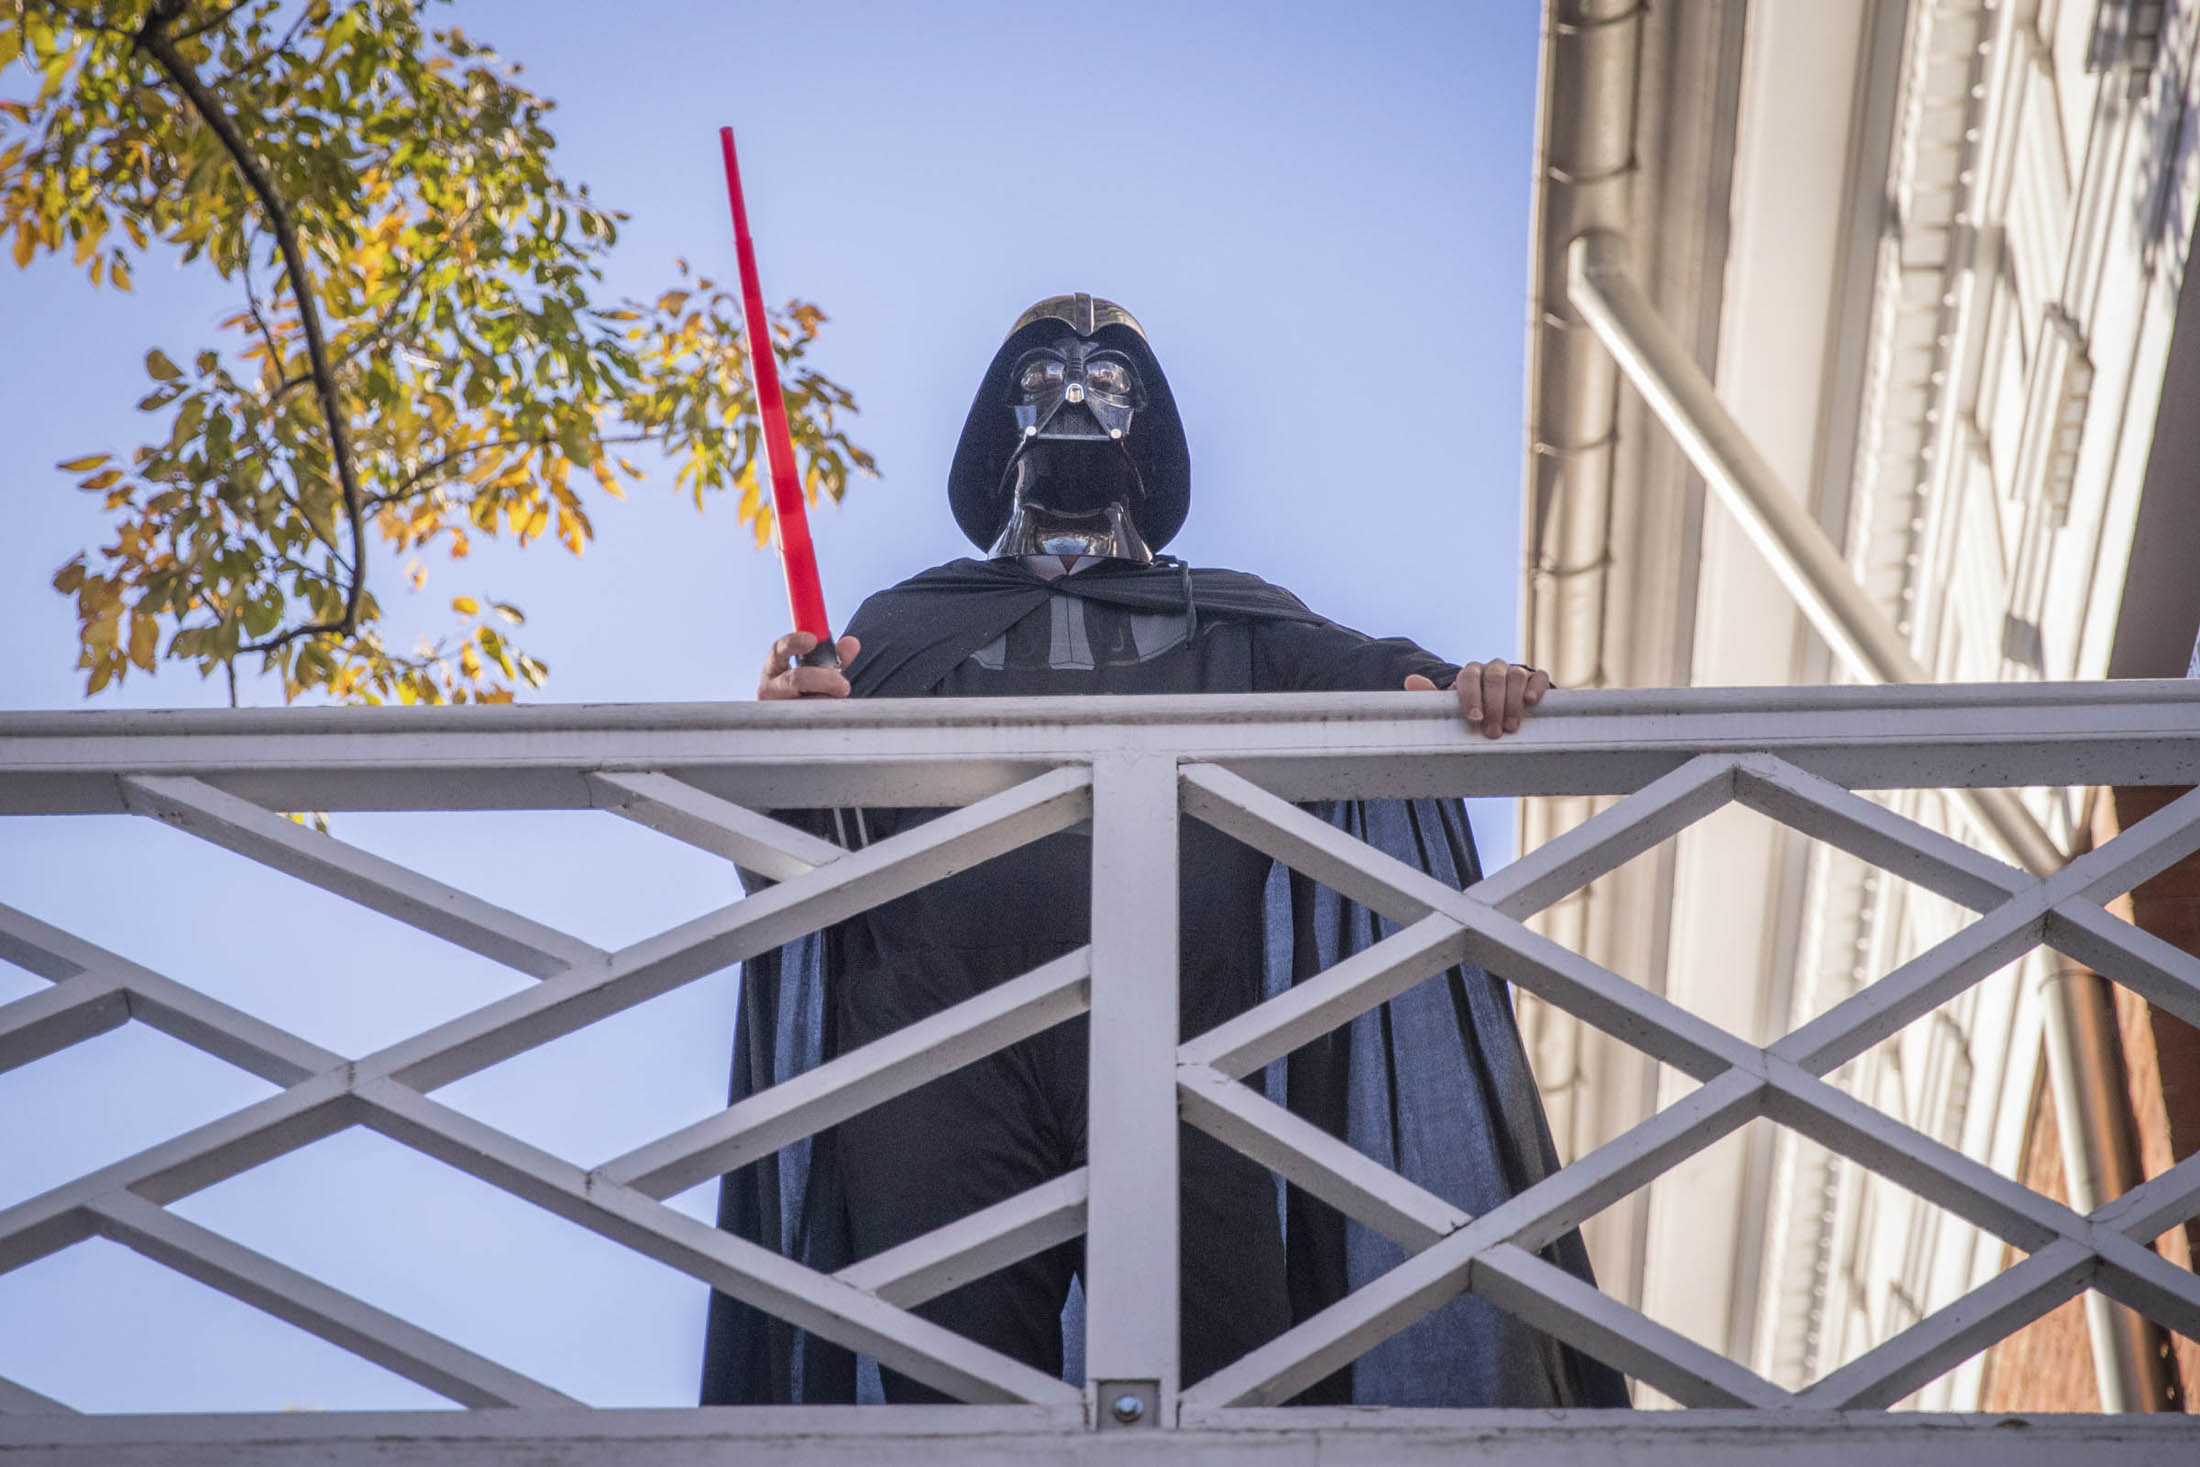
<point x="1130" y="1242"/>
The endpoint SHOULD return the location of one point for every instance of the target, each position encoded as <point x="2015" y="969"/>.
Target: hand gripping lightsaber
<point x="805" y="598"/>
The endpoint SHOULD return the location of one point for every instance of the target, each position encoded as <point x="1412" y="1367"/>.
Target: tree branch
<point x="253" y="63"/>
<point x="259" y="320"/>
<point x="156" y="41"/>
<point x="381" y="329"/>
<point x="412" y="480"/>
<point x="212" y="21"/>
<point x="91" y="23"/>
<point x="284" y="639"/>
<point x="405" y="489"/>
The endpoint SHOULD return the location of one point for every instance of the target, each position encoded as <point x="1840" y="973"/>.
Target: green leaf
<point x="188" y="421"/>
<point x="159" y="368"/>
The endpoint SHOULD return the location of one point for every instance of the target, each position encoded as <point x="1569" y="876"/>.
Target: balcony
<point x="1019" y="770"/>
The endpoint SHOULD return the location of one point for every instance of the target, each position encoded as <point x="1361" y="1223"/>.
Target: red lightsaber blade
<point x="805" y="597"/>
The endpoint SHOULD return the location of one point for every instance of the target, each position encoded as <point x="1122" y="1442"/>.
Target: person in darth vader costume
<point x="1071" y="474"/>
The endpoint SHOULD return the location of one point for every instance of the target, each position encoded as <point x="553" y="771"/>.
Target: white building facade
<point x="1931" y="254"/>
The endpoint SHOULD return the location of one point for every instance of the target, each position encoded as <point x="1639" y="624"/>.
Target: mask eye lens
<point x="1038" y="376"/>
<point x="1113" y="378"/>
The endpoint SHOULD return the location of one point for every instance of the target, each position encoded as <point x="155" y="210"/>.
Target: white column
<point x="1131" y="1243"/>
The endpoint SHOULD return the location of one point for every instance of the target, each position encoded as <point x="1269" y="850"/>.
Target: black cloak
<point x="1434" y="1083"/>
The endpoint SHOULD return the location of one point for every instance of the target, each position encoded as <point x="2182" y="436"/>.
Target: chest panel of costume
<point x="1068" y="645"/>
<point x="1067" y="636"/>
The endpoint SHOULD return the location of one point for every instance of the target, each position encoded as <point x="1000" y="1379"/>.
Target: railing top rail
<point x="1144" y="711"/>
<point x="942" y="751"/>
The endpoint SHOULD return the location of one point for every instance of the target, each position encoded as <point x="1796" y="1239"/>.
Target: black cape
<point x="1434" y="1084"/>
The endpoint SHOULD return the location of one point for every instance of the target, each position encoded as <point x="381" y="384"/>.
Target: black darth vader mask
<point x="1073" y="445"/>
<point x="1073" y="391"/>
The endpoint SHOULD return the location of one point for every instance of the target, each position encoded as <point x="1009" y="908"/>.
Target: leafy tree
<point x="419" y="357"/>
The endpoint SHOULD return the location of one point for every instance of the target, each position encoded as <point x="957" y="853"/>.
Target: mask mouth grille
<point x="1072" y="421"/>
<point x="1108" y="532"/>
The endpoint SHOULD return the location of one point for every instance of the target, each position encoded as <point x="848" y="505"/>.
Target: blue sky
<point x="1319" y="213"/>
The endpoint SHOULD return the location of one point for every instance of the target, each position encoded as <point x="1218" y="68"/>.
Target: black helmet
<point x="976" y="490"/>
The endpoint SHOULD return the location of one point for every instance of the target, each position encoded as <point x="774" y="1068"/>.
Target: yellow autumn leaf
<point x="83" y="465"/>
<point x="465" y="606"/>
<point x="159" y="368"/>
<point x="144" y="641"/>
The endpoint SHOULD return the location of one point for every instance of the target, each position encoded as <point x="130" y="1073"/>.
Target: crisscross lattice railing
<point x="1021" y="770"/>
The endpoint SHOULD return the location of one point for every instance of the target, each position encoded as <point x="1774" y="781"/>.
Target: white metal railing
<point x="1021" y="769"/>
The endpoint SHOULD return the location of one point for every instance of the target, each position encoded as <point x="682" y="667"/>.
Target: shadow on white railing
<point x="1023" y="769"/>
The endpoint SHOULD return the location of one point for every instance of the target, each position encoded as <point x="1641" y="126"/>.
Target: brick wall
<point x="2048" y="1366"/>
<point x="2162" y="1051"/>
